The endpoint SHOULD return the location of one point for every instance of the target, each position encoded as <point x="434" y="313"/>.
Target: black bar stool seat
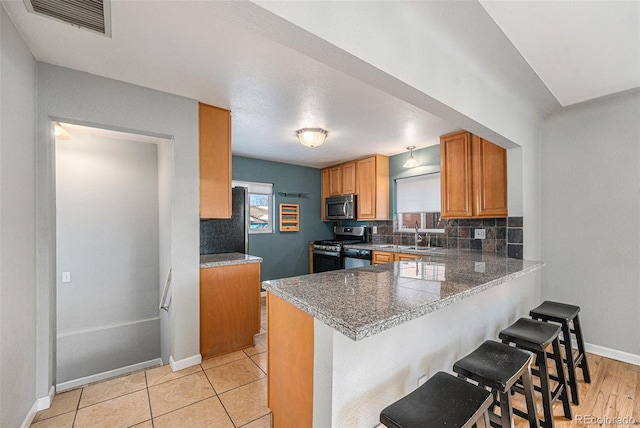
<point x="564" y="314"/>
<point x="442" y="401"/>
<point x="536" y="336"/>
<point x="499" y="366"/>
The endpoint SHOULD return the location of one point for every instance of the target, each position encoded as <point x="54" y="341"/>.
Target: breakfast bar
<point x="344" y="344"/>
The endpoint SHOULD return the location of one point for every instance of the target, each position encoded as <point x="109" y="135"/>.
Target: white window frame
<point x="257" y="188"/>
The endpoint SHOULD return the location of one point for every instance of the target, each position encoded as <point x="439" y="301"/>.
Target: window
<point x="260" y="205"/>
<point x="418" y="201"/>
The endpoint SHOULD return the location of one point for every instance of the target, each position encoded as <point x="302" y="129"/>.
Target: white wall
<point x="108" y="240"/>
<point x="90" y="100"/>
<point x="590" y="198"/>
<point x="17" y="226"/>
<point x="354" y="381"/>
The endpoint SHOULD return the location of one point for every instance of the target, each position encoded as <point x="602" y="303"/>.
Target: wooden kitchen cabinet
<point x="378" y="257"/>
<point x="399" y="257"/>
<point x="372" y="182"/>
<point x="368" y="178"/>
<point x="473" y="177"/>
<point x="214" y="126"/>
<point x="349" y="178"/>
<point x="342" y="179"/>
<point x="229" y="308"/>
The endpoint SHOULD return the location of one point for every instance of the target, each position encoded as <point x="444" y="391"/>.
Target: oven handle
<point x="327" y="253"/>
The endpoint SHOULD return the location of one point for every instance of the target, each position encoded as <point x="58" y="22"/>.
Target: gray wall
<point x="286" y="253"/>
<point x="107" y="238"/>
<point x="590" y="178"/>
<point x="86" y="99"/>
<point x="17" y="226"/>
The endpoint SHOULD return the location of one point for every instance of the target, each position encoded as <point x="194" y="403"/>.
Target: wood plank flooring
<point x="612" y="399"/>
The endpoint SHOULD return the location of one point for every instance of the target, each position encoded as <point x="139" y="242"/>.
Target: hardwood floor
<point x="612" y="399"/>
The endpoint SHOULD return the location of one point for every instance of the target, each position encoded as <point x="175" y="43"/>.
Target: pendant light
<point x="311" y="137"/>
<point x="411" y="162"/>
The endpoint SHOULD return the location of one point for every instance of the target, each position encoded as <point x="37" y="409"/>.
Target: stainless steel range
<point x="328" y="255"/>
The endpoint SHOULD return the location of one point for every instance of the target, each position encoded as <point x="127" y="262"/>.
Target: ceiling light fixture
<point x="311" y="137"/>
<point x="411" y="162"/>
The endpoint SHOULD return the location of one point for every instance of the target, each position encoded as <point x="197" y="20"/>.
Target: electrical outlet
<point x="66" y="276"/>
<point x="479" y="267"/>
<point x="479" y="234"/>
<point x="375" y="230"/>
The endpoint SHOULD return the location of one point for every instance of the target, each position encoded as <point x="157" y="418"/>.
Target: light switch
<point x="479" y="267"/>
<point x="479" y="234"/>
<point x="66" y="276"/>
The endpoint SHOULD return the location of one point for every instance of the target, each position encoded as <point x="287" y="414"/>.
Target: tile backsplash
<point x="503" y="236"/>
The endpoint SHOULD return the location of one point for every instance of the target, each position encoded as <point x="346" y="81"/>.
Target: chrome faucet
<point x="418" y="238"/>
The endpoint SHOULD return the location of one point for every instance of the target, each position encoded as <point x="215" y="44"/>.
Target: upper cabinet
<point x="368" y="178"/>
<point x="342" y="179"/>
<point x="215" y="161"/>
<point x="473" y="177"/>
<point x="372" y="183"/>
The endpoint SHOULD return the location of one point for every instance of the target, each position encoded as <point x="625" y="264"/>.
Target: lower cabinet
<point x="229" y="308"/>
<point x="378" y="257"/>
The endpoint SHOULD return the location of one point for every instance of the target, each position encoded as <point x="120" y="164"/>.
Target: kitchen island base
<point x="348" y="382"/>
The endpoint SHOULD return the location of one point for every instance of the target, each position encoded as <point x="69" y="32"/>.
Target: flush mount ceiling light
<point x="311" y="137"/>
<point x="411" y="162"/>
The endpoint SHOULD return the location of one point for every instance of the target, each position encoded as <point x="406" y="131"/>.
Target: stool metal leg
<point x="564" y="395"/>
<point x="583" y="363"/>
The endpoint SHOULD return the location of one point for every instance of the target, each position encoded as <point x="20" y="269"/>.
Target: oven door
<point x="324" y="261"/>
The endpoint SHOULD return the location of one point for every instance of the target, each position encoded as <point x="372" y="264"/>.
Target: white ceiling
<point x="580" y="49"/>
<point x="197" y="50"/>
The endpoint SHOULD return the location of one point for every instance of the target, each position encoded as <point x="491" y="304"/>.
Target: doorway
<point x="113" y="252"/>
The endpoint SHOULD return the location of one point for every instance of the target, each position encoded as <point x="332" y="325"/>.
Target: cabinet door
<point x="349" y="178"/>
<point x="378" y="257"/>
<point x="325" y="191"/>
<point x="489" y="178"/>
<point x="404" y="256"/>
<point x="455" y="175"/>
<point x="215" y="161"/>
<point x="229" y="308"/>
<point x="335" y="180"/>
<point x="366" y="177"/>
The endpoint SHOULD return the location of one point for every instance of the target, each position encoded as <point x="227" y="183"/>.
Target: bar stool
<point x="536" y="336"/>
<point x="499" y="366"/>
<point x="564" y="315"/>
<point x="442" y="401"/>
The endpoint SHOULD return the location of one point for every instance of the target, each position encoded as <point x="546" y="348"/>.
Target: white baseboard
<point x="185" y="362"/>
<point x="30" y="416"/>
<point x="42" y="403"/>
<point x="614" y="354"/>
<point x="105" y="375"/>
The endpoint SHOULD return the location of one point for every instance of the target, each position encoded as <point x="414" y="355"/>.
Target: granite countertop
<point x="227" y="259"/>
<point x="365" y="301"/>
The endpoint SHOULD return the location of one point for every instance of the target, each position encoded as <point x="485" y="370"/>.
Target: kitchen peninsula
<point x="344" y="344"/>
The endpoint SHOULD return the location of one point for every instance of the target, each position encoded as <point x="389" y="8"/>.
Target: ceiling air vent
<point x="92" y="15"/>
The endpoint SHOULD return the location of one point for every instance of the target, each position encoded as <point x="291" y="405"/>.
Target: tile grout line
<point x="218" y="395"/>
<point x="146" y="382"/>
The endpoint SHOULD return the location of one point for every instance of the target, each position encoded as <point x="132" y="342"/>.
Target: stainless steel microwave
<point x="340" y="207"/>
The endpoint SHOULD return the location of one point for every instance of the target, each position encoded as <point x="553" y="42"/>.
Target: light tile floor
<point x="226" y="391"/>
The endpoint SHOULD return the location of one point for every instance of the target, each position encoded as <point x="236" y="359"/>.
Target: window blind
<point x="418" y="194"/>
<point x="260" y="188"/>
